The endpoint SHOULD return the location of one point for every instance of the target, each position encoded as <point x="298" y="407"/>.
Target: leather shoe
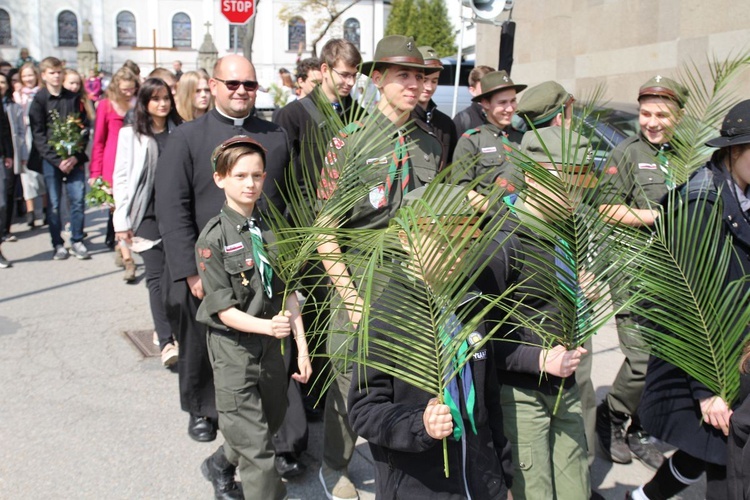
<point x="220" y="472"/>
<point x="201" y="429"/>
<point x="288" y="467"/>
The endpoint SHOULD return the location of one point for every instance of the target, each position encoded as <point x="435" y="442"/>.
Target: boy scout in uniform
<point x="242" y="308"/>
<point x="399" y="157"/>
<point x="639" y="175"/>
<point x="427" y="116"/>
<point x="491" y="143"/>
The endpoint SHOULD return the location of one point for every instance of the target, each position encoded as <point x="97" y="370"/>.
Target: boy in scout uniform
<point x="242" y="308"/>
<point x="427" y="116"/>
<point x="638" y="176"/>
<point x="491" y="143"/>
<point x="546" y="105"/>
<point x="398" y="157"/>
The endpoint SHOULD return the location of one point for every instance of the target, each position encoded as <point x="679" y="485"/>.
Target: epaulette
<point x="470" y="132"/>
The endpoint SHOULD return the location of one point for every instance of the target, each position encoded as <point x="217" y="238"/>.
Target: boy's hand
<point x="195" y="285"/>
<point x="437" y="420"/>
<point x="305" y="369"/>
<point x="67" y="164"/>
<point x="560" y="362"/>
<point x="281" y="325"/>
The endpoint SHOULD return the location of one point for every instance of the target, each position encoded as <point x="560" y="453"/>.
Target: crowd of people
<point x="194" y="173"/>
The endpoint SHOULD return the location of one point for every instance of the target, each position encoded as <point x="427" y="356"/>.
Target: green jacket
<point x="227" y="268"/>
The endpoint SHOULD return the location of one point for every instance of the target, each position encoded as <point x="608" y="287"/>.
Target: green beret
<point x="569" y="155"/>
<point x="661" y="86"/>
<point x="542" y="102"/>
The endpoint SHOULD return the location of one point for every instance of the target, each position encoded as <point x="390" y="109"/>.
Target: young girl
<point x="138" y="148"/>
<point x="193" y="96"/>
<point x="72" y="82"/>
<point x="109" y="120"/>
<point x="242" y="308"/>
<point x="32" y="180"/>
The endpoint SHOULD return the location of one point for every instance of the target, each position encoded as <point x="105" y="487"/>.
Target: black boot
<point x="640" y="444"/>
<point x="610" y="428"/>
<point x="220" y="472"/>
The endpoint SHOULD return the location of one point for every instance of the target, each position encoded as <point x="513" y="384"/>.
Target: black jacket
<point x="670" y="408"/>
<point x="67" y="103"/>
<point x="186" y="195"/>
<point x="6" y="136"/>
<point x="439" y="124"/>
<point x="738" y="449"/>
<point x="471" y="117"/>
<point x="408" y="462"/>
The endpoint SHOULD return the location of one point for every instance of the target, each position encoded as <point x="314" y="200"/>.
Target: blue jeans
<point x="75" y="184"/>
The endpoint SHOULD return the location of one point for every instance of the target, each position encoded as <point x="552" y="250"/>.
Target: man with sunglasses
<point x="186" y="198"/>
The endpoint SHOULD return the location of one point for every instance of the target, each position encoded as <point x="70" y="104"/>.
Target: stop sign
<point x="238" y="11"/>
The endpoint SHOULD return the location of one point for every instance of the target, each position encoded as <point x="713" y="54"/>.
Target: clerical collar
<point x="235" y="121"/>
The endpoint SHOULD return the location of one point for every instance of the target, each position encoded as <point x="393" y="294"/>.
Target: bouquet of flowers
<point x="67" y="134"/>
<point x="100" y="195"/>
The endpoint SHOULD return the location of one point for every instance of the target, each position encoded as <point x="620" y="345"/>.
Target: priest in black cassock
<point x="186" y="198"/>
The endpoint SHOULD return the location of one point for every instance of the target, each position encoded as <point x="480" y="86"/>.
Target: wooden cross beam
<point x="154" y="48"/>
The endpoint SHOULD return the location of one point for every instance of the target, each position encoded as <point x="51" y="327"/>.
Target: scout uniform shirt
<point x="374" y="144"/>
<point x="491" y="146"/>
<point x="230" y="274"/>
<point x="637" y="173"/>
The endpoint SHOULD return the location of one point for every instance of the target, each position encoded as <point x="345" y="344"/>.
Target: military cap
<point x="236" y="141"/>
<point x="431" y="59"/>
<point x="736" y="127"/>
<point x="542" y="102"/>
<point x="396" y="49"/>
<point x="496" y="81"/>
<point x="661" y="86"/>
<point x="447" y="202"/>
<point x="571" y="156"/>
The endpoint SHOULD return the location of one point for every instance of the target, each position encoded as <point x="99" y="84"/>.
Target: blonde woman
<point x="193" y="96"/>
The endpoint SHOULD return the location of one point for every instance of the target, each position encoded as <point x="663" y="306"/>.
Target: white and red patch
<point x="377" y="197"/>
<point x="337" y="143"/>
<point x="235" y="247"/>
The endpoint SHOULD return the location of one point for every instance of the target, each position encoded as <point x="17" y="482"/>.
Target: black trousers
<point x="196" y="378"/>
<point x="10" y="199"/>
<point x="154" y="262"/>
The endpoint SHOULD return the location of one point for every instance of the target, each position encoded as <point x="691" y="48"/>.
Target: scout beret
<point x="542" y="102"/>
<point x="396" y="49"/>
<point x="661" y="86"/>
<point x="431" y="59"/>
<point x="736" y="127"/>
<point x="571" y="155"/>
<point x="496" y="81"/>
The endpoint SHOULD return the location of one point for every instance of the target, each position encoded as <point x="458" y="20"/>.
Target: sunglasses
<point x="250" y="85"/>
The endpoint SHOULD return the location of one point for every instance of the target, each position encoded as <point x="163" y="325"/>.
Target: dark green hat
<point x="736" y="127"/>
<point x="661" y="86"/>
<point x="496" y="81"/>
<point x="570" y="155"/>
<point x="396" y="49"/>
<point x="542" y="102"/>
<point x="431" y="59"/>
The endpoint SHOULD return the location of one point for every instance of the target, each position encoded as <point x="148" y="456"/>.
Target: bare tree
<point x="326" y="13"/>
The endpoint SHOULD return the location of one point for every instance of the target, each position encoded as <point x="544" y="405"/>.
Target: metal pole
<point x="458" y="67"/>
<point x="153" y="32"/>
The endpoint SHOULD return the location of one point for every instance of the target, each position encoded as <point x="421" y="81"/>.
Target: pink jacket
<point x="104" y="149"/>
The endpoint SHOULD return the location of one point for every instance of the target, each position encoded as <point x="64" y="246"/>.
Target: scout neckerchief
<point x="399" y="163"/>
<point x="451" y="394"/>
<point x="664" y="165"/>
<point x="260" y="256"/>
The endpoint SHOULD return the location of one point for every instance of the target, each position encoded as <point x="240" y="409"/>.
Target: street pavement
<point x="83" y="415"/>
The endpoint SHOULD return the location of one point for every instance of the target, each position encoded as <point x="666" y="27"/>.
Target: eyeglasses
<point x="346" y="76"/>
<point x="232" y="85"/>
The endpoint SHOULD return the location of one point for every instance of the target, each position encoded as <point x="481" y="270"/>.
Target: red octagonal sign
<point x="238" y="11"/>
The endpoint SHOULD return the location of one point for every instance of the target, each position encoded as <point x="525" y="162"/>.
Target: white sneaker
<point x="61" y="253"/>
<point x="337" y="484"/>
<point x="79" y="250"/>
<point x="4" y="264"/>
<point x="169" y="355"/>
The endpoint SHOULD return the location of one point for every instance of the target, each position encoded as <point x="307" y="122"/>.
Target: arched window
<point x="297" y="33"/>
<point x="351" y="31"/>
<point x="182" y="30"/>
<point x="5" y="38"/>
<point x="126" y="29"/>
<point x="67" y="29"/>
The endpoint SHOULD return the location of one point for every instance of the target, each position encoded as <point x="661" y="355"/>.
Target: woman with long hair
<point x="109" y="120"/>
<point x="32" y="179"/>
<point x="14" y="112"/>
<point x="675" y="407"/>
<point x="72" y="81"/>
<point x="138" y="149"/>
<point x="193" y="96"/>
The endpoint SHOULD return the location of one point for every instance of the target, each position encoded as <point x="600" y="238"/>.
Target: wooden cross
<point x="154" y="48"/>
